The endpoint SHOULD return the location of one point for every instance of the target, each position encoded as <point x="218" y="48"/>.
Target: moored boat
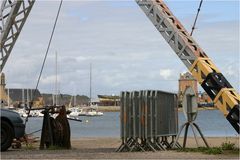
<point x="93" y="112"/>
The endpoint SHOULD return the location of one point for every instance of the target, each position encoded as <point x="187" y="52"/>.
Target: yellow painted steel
<point x="227" y="97"/>
<point x="201" y="68"/>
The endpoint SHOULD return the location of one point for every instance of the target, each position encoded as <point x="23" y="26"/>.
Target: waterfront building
<point x="109" y="100"/>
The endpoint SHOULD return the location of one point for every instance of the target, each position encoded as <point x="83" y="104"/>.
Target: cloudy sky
<point x="125" y="49"/>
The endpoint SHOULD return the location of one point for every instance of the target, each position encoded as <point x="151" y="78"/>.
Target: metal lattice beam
<point x="172" y="31"/>
<point x="13" y="15"/>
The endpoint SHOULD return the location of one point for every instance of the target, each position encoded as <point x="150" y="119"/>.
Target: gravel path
<point x="104" y="148"/>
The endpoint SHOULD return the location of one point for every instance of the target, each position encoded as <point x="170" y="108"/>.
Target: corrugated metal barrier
<point x="149" y="120"/>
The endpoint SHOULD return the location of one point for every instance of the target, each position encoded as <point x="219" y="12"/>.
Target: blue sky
<point x="125" y="49"/>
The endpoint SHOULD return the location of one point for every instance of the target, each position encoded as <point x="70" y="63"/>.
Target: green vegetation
<point x="30" y="146"/>
<point x="65" y="99"/>
<point x="226" y="148"/>
<point x="230" y="148"/>
<point x="213" y="150"/>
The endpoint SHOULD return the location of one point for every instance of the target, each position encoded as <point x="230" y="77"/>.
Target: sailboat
<point x="75" y="111"/>
<point x="92" y="110"/>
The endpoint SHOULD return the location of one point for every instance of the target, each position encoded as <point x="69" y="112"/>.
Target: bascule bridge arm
<point x="194" y="58"/>
<point x="13" y="15"/>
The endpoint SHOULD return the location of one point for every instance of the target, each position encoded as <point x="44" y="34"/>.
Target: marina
<point x="108" y="125"/>
<point x="84" y="111"/>
<point x="72" y="112"/>
<point x="91" y="79"/>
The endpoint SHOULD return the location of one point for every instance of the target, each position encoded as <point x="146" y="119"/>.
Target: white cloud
<point x="50" y="79"/>
<point x="230" y="71"/>
<point x="166" y="73"/>
<point x="126" y="50"/>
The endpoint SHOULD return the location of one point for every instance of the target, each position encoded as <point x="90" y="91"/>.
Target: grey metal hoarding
<point x="146" y="116"/>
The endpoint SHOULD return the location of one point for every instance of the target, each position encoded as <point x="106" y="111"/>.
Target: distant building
<point x="95" y="102"/>
<point x="186" y="80"/>
<point x="204" y="100"/>
<point x="18" y="97"/>
<point x="23" y="97"/>
<point x="66" y="99"/>
<point x="109" y="100"/>
<point x="3" y="95"/>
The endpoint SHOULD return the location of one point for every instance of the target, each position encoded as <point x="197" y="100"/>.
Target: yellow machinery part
<point x="226" y="99"/>
<point x="201" y="68"/>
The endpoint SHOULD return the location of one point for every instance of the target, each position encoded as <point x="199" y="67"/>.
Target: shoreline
<point x="117" y="108"/>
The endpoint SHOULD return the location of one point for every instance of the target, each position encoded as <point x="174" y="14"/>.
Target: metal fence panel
<point x="135" y="114"/>
<point x="146" y="116"/>
<point x="122" y="114"/>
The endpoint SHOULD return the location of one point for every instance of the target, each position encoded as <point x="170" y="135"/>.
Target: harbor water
<point x="211" y="122"/>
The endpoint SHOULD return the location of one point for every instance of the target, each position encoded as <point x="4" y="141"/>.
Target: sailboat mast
<point x="90" y="96"/>
<point x="23" y="98"/>
<point x="27" y="98"/>
<point x="53" y="99"/>
<point x="56" y="79"/>
<point x="74" y="101"/>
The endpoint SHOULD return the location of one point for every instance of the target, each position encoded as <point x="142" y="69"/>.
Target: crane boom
<point x="13" y="15"/>
<point x="195" y="59"/>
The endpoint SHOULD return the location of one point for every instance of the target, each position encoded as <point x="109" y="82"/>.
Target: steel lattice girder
<point x="13" y="15"/>
<point x="172" y="31"/>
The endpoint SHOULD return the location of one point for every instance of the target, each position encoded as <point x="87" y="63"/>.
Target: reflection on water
<point x="211" y="122"/>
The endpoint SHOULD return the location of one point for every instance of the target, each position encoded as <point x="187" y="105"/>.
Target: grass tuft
<point x="228" y="146"/>
<point x="224" y="149"/>
<point x="30" y="146"/>
<point x="214" y="150"/>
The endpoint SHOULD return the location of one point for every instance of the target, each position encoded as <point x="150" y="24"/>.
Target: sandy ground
<point x="104" y="148"/>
